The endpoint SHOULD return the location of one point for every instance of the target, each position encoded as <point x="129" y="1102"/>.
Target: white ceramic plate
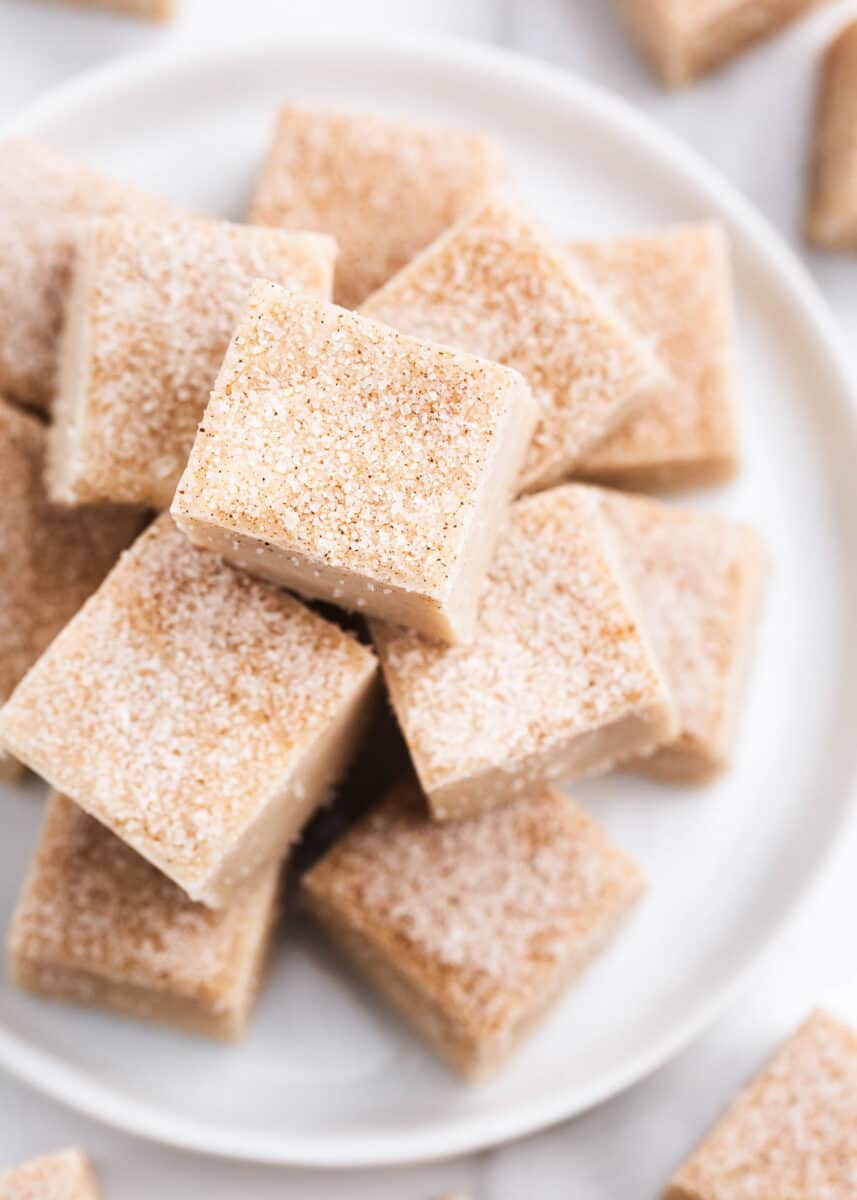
<point x="329" y="1077"/>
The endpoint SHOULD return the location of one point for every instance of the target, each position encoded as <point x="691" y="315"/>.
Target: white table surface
<point x="752" y="122"/>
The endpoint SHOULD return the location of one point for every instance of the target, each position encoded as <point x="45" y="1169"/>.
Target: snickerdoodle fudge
<point x="151" y="310"/>
<point x="45" y="200"/>
<point x="698" y="580"/>
<point x="558" y="681"/>
<point x="674" y="287"/>
<point x="493" y="285"/>
<point x="831" y="220"/>
<point x="98" y="925"/>
<point x="338" y="458"/>
<point x="51" y="559"/>
<point x="199" y="713"/>
<point x="63" y="1175"/>
<point x="153" y="10"/>
<point x="384" y="189"/>
<point x="684" y="39"/>
<point x="473" y="929"/>
<point x="792" y="1132"/>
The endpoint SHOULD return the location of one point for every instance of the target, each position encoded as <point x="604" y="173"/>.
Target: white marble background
<point x="752" y="122"/>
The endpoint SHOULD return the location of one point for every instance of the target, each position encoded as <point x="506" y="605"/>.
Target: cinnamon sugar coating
<point x="792" y="1132"/>
<point x="494" y="286"/>
<point x="674" y="287"/>
<point x="98" y="925"/>
<point x="698" y="580"/>
<point x="63" y="1175"/>
<point x="383" y="188"/>
<point x="558" y="680"/>
<point x="44" y="201"/>
<point x="200" y="714"/>
<point x="355" y="465"/>
<point x="472" y="929"/>
<point x="152" y="308"/>
<point x="51" y="558"/>
<point x="831" y="220"/>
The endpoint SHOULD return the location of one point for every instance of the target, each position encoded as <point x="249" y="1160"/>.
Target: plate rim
<point x="45" y="1071"/>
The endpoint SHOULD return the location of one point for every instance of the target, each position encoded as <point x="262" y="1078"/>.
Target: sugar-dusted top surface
<point x="44" y="197"/>
<point x="675" y="288"/>
<point x="92" y="904"/>
<point x="557" y="651"/>
<point x="162" y="299"/>
<point x="181" y="698"/>
<point x="64" y="1175"/>
<point x="335" y="437"/>
<point x="792" y="1133"/>
<point x="51" y="558"/>
<point x="696" y="576"/>
<point x="479" y="913"/>
<point x="383" y="188"/>
<point x="494" y="286"/>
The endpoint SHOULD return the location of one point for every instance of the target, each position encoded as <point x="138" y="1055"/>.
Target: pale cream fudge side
<point x="98" y="925"/>
<point x="151" y="312"/>
<point x="384" y="189"/>
<point x="153" y="10"/>
<point x="200" y="714"/>
<point x="355" y="465"/>
<point x="831" y="219"/>
<point x="494" y="286"/>
<point x="44" y="200"/>
<point x="674" y="287"/>
<point x="63" y="1175"/>
<point x="698" y="580"/>
<point x="792" y="1132"/>
<point x="51" y="559"/>
<point x="473" y="929"/>
<point x="683" y="40"/>
<point x="558" y="681"/>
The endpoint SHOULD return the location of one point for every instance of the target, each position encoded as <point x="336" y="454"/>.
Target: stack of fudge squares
<point x="258" y="476"/>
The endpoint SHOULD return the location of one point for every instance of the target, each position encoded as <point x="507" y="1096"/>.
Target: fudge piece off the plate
<point x="151" y="311"/>
<point x="355" y="465"/>
<point x="51" y="558"/>
<point x="45" y="200"/>
<point x="698" y="581"/>
<point x="494" y="286"/>
<point x="792" y="1132"/>
<point x="199" y="713"/>
<point x="558" y="681"/>
<point x="98" y="925"/>
<point x="831" y="220"/>
<point x="473" y="929"/>
<point x="383" y="188"/>
<point x="63" y="1175"/>
<point x="674" y="287"/>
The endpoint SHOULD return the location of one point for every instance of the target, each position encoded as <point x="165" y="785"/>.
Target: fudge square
<point x="792" y="1132"/>
<point x="831" y="220"/>
<point x="200" y="714"/>
<point x="383" y="188"/>
<point x="155" y="10"/>
<point x="51" y="559"/>
<point x="151" y="311"/>
<point x="493" y="286"/>
<point x="675" y="289"/>
<point x="355" y="465"/>
<point x="44" y="201"/>
<point x="98" y="925"/>
<point x="64" y="1175"/>
<point x="684" y="40"/>
<point x="698" y="580"/>
<point x="558" y="681"/>
<point x="473" y="929"/>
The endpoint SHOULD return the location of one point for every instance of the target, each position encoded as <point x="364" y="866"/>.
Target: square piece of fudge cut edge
<point x="473" y="929"/>
<point x="792" y="1132"/>
<point x="559" y="680"/>
<point x="63" y="1175"/>
<point x="199" y="713"/>
<point x="99" y="926"/>
<point x="150" y="314"/>
<point x="354" y="465"/>
<point x="493" y="285"/>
